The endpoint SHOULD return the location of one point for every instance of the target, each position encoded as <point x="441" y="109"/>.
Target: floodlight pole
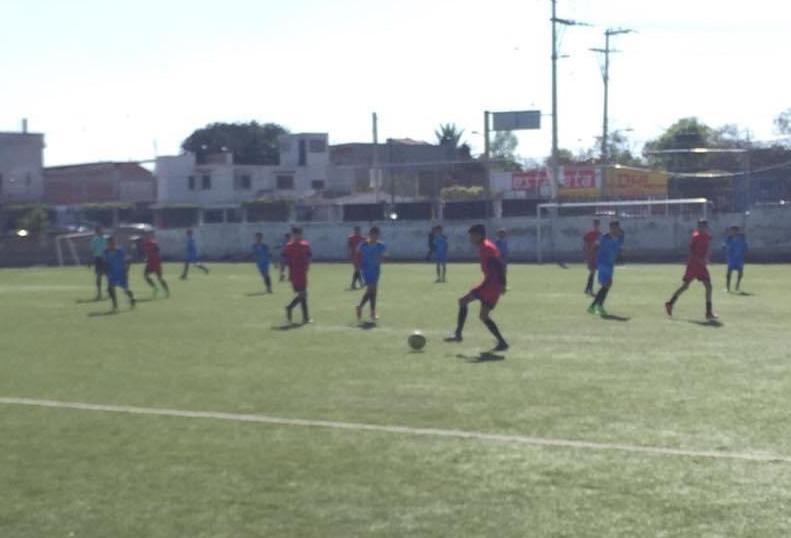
<point x="555" y="158"/>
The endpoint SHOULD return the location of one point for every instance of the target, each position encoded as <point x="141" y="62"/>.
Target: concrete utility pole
<point x="606" y="51"/>
<point x="555" y="158"/>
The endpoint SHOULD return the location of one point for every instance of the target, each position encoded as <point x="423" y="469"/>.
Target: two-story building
<point x="21" y="167"/>
<point x="104" y="182"/>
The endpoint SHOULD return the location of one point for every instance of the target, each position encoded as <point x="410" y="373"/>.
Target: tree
<point x="783" y="122"/>
<point x="250" y="143"/>
<point x="449" y="135"/>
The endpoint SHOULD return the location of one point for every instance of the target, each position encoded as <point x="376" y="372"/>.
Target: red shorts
<point x="154" y="267"/>
<point x="487" y="295"/>
<point x="299" y="283"/>
<point x="696" y="271"/>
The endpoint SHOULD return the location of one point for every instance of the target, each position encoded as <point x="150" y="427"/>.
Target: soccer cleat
<point x="132" y="303"/>
<point x="669" y="309"/>
<point x="711" y="316"/>
<point x="592" y="309"/>
<point x="359" y="311"/>
<point x="502" y="346"/>
<point x="288" y="316"/>
<point x="454" y="338"/>
<point x="307" y="321"/>
<point x="602" y="312"/>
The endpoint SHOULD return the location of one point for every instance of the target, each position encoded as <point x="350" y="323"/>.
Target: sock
<point x="164" y="285"/>
<point x="131" y="297"/>
<point x="150" y="282"/>
<point x="462" y="319"/>
<point x="708" y="307"/>
<point x="294" y="302"/>
<point x="728" y="281"/>
<point x="111" y="293"/>
<point x="268" y="282"/>
<point x="603" y="292"/>
<point x="186" y="270"/>
<point x="98" y="285"/>
<point x="589" y="286"/>
<point x="365" y="298"/>
<point x="492" y="326"/>
<point x="304" y="302"/>
<point x="203" y="268"/>
<point x="599" y="297"/>
<point x="373" y="302"/>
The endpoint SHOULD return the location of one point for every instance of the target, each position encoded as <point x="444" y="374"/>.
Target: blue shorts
<point x="370" y="276"/>
<point x="192" y="258"/>
<point x="119" y="281"/>
<point x="605" y="274"/>
<point x="735" y="265"/>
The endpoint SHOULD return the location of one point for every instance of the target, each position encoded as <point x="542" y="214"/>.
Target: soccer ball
<point x="417" y="341"/>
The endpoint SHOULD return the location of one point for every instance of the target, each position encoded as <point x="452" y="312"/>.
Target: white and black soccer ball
<point x="417" y="340"/>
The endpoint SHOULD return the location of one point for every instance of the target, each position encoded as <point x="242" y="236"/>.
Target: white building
<point x="304" y="171"/>
<point x="21" y="168"/>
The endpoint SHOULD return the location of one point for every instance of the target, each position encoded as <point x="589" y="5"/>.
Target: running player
<point x="153" y="264"/>
<point x="609" y="246"/>
<point x="735" y="250"/>
<point x="98" y="246"/>
<point x="696" y="268"/>
<point x="261" y="255"/>
<point x="296" y="256"/>
<point x="590" y="244"/>
<point x="371" y="253"/>
<point x="286" y="241"/>
<point x="440" y="243"/>
<point x="352" y="243"/>
<point x="192" y="257"/>
<point x="115" y="262"/>
<point x="487" y="292"/>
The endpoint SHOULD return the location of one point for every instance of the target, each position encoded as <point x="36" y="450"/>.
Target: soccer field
<point x="210" y="421"/>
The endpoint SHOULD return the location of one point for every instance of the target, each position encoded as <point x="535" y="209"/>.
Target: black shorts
<point x="98" y="266"/>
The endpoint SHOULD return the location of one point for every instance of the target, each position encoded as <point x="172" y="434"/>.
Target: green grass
<point x="214" y="347"/>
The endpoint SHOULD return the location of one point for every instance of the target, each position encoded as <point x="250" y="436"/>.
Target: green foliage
<point x="34" y="220"/>
<point x="460" y="193"/>
<point x="783" y="122"/>
<point x="503" y="147"/>
<point x="449" y="135"/>
<point x="250" y="143"/>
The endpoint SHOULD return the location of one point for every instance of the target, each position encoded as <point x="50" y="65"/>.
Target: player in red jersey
<point x="153" y="264"/>
<point x="296" y="256"/>
<point x="696" y="268"/>
<point x="590" y="245"/>
<point x="352" y="243"/>
<point x="487" y="292"/>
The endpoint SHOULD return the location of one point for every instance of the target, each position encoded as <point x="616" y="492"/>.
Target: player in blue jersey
<point x="735" y="251"/>
<point x="440" y="242"/>
<point x="262" y="259"/>
<point x="98" y="246"/>
<point x="116" y="267"/>
<point x="192" y="257"/>
<point x="609" y="246"/>
<point x="371" y="252"/>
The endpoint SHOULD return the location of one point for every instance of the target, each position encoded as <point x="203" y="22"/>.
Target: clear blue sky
<point x="106" y="79"/>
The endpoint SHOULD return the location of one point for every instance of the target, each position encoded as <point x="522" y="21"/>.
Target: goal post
<point x="67" y="240"/>
<point x="616" y="209"/>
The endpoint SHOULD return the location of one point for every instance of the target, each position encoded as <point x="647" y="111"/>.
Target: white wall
<point x="656" y="238"/>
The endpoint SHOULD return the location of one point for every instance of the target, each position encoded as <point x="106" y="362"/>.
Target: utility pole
<point x="606" y="51"/>
<point x="555" y="158"/>
<point x="375" y="154"/>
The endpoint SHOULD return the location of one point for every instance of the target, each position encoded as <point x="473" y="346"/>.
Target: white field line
<point x="402" y="430"/>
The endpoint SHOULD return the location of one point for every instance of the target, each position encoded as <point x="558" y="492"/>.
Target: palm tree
<point x="448" y="134"/>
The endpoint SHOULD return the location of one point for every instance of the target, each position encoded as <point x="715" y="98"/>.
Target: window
<point x="317" y="184"/>
<point x="205" y="182"/>
<point x="303" y="153"/>
<point x="285" y="182"/>
<point x="191" y="183"/>
<point x="213" y="216"/>
<point x="243" y="182"/>
<point x="233" y="215"/>
<point x="317" y="145"/>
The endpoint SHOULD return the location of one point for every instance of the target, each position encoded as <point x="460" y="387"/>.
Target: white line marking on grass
<point x="402" y="430"/>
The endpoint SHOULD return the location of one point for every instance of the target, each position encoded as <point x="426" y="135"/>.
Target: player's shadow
<point x="288" y="327"/>
<point x="744" y="294"/>
<point x="713" y="323"/>
<point x="144" y="300"/>
<point x="366" y="325"/>
<point x="90" y="301"/>
<point x="613" y="317"/>
<point x="106" y="313"/>
<point x="486" y="356"/>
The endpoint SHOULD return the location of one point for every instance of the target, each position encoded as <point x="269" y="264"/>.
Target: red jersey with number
<point x="590" y="241"/>
<point x="297" y="256"/>
<point x="151" y="250"/>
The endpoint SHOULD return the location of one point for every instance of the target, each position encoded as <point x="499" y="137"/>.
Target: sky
<point x="130" y="79"/>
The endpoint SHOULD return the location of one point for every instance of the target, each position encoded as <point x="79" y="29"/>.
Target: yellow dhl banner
<point x="635" y="182"/>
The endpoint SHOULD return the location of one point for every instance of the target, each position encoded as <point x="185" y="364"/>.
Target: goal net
<point x="551" y="217"/>
<point x="69" y="246"/>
